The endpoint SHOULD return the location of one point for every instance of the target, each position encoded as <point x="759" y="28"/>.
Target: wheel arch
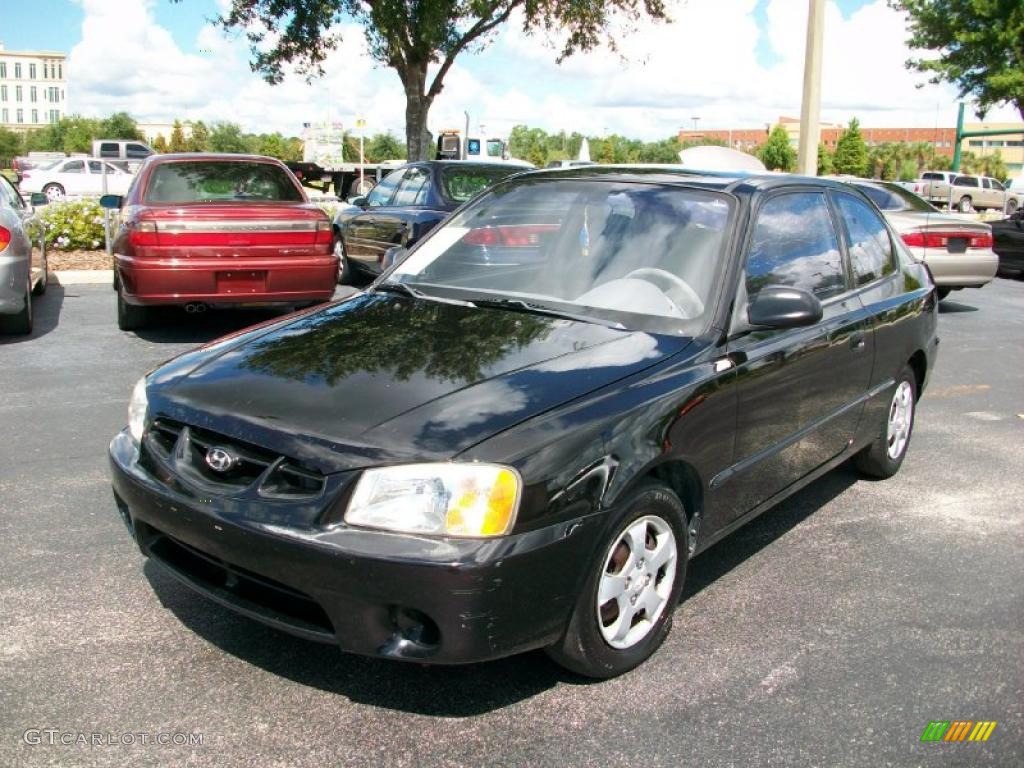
<point x="918" y="363"/>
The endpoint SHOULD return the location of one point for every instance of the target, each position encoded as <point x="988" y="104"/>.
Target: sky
<point x="718" y="64"/>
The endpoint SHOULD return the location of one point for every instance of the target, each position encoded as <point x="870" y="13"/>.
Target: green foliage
<point x="777" y="153"/>
<point x="383" y="146"/>
<point x="989" y="165"/>
<point x="413" y="37"/>
<point x="980" y="45"/>
<point x="177" y="142"/>
<point x="851" y="155"/>
<point x="540" y="148"/>
<point x="227" y="137"/>
<point x="160" y="143"/>
<point x="199" y="141"/>
<point x="894" y="160"/>
<point x="825" y="166"/>
<point x="10" y="146"/>
<point x="71" y="225"/>
<point x="120" y="125"/>
<point x="908" y="170"/>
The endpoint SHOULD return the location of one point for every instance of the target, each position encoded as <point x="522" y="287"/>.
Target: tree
<point x="120" y="125"/>
<point x="177" y="142"/>
<point x="987" y="165"/>
<point x="160" y="143"/>
<point x="411" y="36"/>
<point x="227" y="137"/>
<point x="10" y="146"/>
<point x="851" y="155"/>
<point x="272" y="145"/>
<point x="824" y="160"/>
<point x="777" y="153"/>
<point x="384" y="146"/>
<point x="980" y="45"/>
<point x="199" y="141"/>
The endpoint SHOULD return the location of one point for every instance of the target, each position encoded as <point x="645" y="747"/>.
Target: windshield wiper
<point x="416" y="293"/>
<point x="520" y="305"/>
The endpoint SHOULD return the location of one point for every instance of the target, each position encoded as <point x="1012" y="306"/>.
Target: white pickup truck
<point x="965" y="192"/>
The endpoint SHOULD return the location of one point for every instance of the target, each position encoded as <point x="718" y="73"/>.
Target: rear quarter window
<point x="461" y="184"/>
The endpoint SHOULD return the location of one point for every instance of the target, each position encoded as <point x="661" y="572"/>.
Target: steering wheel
<point x="679" y="291"/>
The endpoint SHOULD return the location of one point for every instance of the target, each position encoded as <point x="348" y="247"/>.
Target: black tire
<point x="583" y="648"/>
<point x="876" y="460"/>
<point x="54" y="192"/>
<point x="943" y="292"/>
<point x="40" y="288"/>
<point x="344" y="271"/>
<point x="21" y="323"/>
<point x="964" y="206"/>
<point x="129" y="316"/>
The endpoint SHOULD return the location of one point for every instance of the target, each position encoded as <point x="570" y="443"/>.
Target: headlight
<point x="440" y="499"/>
<point x="137" y="408"/>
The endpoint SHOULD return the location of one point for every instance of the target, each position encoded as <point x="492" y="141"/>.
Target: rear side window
<point x="73" y="166"/>
<point x="795" y="244"/>
<point x="933" y="176"/>
<point x="109" y="149"/>
<point x="460" y="184"/>
<point x="220" y="181"/>
<point x="870" y="247"/>
<point x="965" y="181"/>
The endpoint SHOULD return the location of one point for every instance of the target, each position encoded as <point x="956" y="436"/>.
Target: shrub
<point x="71" y="225"/>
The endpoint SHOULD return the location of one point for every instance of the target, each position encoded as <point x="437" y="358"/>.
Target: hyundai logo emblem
<point x="220" y="459"/>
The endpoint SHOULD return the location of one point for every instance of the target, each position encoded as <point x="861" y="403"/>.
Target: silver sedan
<point x="957" y="250"/>
<point x="22" y="269"/>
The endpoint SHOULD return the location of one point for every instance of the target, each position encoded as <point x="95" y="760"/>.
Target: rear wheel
<point x="40" y="288"/>
<point x="884" y="457"/>
<point x="964" y="206"/>
<point x="344" y="273"/>
<point x="129" y="316"/>
<point x="20" y="323"/>
<point x="1011" y="206"/>
<point x="624" y="611"/>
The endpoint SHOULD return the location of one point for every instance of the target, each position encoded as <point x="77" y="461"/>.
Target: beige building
<point x="33" y="88"/>
<point x="1010" y="147"/>
<point x="152" y="130"/>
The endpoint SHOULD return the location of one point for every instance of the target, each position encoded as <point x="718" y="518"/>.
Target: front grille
<point x="261" y="597"/>
<point x="182" y="451"/>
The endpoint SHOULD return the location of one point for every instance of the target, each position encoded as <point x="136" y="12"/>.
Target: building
<point x="33" y="88"/>
<point x="1010" y="147"/>
<point x="151" y="130"/>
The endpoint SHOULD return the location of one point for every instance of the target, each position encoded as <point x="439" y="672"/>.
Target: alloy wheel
<point x="901" y="413"/>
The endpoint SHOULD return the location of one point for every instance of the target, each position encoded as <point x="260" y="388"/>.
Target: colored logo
<point x="958" y="730"/>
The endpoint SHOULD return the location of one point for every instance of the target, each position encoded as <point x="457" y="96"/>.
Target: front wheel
<point x="884" y="456"/>
<point x="624" y="611"/>
<point x="344" y="272"/>
<point x="1011" y="207"/>
<point x="54" y="192"/>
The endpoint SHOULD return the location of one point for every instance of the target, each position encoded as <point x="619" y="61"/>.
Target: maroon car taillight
<point x="142" y="233"/>
<point x="5" y="237"/>
<point x="509" y="236"/>
<point x="324" y="233"/>
<point x="936" y="239"/>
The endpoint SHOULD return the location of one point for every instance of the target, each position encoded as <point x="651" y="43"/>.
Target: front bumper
<point x="211" y="280"/>
<point x="373" y="593"/>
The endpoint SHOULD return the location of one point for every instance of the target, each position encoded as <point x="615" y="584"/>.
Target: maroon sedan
<point x="202" y="230"/>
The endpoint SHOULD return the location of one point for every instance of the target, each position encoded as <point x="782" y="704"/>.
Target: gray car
<point x="22" y="270"/>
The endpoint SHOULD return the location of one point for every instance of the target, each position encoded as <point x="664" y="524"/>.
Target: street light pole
<point x="810" y="108"/>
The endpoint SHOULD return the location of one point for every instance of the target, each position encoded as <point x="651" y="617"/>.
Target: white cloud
<point x="702" y="64"/>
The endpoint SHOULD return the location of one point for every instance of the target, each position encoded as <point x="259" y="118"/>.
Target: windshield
<point x="461" y="183"/>
<point x="639" y="255"/>
<point x="893" y="197"/>
<point x="205" y="181"/>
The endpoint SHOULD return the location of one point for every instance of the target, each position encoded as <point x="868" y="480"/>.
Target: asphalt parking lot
<point x="827" y="633"/>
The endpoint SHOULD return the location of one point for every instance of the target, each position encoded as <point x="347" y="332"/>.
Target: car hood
<point x="385" y="378"/>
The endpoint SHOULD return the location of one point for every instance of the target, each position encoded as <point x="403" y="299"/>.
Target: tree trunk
<point x="418" y="143"/>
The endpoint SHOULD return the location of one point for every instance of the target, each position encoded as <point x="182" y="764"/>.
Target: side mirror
<point x="359" y="201"/>
<point x="393" y="255"/>
<point x="112" y="202"/>
<point x="37" y="199"/>
<point x="781" y="306"/>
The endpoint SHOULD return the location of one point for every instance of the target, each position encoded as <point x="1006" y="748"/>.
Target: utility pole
<point x="810" y="108"/>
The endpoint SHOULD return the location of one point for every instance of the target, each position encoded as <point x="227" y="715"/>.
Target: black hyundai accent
<point x="518" y="436"/>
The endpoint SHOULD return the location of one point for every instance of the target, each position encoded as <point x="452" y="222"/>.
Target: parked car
<point x="126" y="154"/>
<point x="1008" y="235"/>
<point x="34" y="160"/>
<point x="200" y="230"/>
<point x="22" y="269"/>
<point x="958" y="251"/>
<point x="966" y="193"/>
<point x="465" y="462"/>
<point x="75" y="176"/>
<point x="405" y="206"/>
